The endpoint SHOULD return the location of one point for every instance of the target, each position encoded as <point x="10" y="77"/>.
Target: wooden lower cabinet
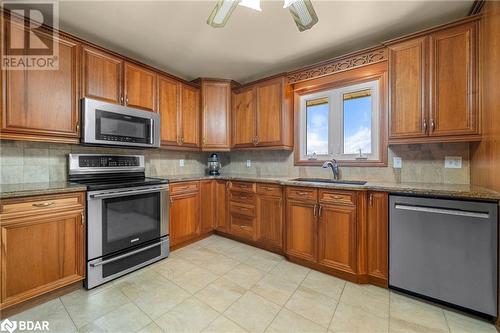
<point x="270" y="220"/>
<point x="207" y="192"/>
<point x="378" y="237"/>
<point x="221" y="205"/>
<point x="184" y="214"/>
<point x="42" y="245"/>
<point x="337" y="237"/>
<point x="301" y="229"/>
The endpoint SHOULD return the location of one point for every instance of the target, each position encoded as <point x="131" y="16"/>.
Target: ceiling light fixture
<point x="302" y="12"/>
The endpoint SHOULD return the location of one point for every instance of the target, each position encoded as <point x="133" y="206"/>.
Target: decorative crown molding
<point x="340" y="64"/>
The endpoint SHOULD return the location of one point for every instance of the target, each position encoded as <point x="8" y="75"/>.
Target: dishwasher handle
<point x="445" y="211"/>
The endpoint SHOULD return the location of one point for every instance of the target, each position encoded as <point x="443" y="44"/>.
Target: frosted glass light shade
<point x="253" y="4"/>
<point x="302" y="12"/>
<point x="221" y="13"/>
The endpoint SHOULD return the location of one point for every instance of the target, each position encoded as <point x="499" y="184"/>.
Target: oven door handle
<point x="123" y="193"/>
<point x="104" y="262"/>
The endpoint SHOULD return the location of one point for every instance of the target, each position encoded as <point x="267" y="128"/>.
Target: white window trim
<point x="336" y="123"/>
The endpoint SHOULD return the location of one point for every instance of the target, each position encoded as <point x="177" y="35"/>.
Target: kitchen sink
<point x="330" y="181"/>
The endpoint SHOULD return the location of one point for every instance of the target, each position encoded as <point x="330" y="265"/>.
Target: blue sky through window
<point x="358" y="125"/>
<point x="317" y="129"/>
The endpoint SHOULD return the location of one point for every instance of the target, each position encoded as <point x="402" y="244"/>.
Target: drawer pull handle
<point x="338" y="197"/>
<point x="269" y="188"/>
<point x="43" y="204"/>
<point x="302" y="193"/>
<point x="243" y="209"/>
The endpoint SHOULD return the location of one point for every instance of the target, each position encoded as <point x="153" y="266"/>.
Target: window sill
<point x="351" y="163"/>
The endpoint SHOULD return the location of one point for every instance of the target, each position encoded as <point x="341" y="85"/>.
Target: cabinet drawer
<point x="243" y="226"/>
<point x="184" y="187"/>
<point x="268" y="189"/>
<point x="237" y="208"/>
<point x="242" y="186"/>
<point x="41" y="204"/>
<point x="302" y="193"/>
<point x="337" y="197"/>
<point x="245" y="197"/>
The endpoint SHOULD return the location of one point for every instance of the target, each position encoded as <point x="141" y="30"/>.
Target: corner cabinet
<point x="434" y="86"/>
<point x="215" y="115"/>
<point x="42" y="245"/>
<point x="263" y="115"/>
<point x="42" y="105"/>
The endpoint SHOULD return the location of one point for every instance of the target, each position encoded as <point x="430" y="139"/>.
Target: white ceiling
<point x="174" y="36"/>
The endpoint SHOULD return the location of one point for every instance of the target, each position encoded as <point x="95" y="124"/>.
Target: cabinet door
<point x="244" y="118"/>
<point x="184" y="217"/>
<point x="169" y="109"/>
<point x="53" y="244"/>
<point x="221" y="205"/>
<point x="216" y="115"/>
<point x="270" y="220"/>
<point x="408" y="107"/>
<point x="301" y="229"/>
<point x="102" y="76"/>
<point x="42" y="105"/>
<point x="190" y="111"/>
<point x="378" y="233"/>
<point x="337" y="237"/>
<point x="140" y="87"/>
<point x="269" y="113"/>
<point x="207" y="189"/>
<point x="453" y="63"/>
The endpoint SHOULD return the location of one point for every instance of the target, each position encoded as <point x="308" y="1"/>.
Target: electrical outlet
<point x="249" y="163"/>
<point x="397" y="162"/>
<point x="181" y="163"/>
<point x="453" y="162"/>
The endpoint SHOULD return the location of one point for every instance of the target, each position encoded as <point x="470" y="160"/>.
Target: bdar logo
<point x="8" y="325"/>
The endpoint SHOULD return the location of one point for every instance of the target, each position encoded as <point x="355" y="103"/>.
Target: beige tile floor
<point x="218" y="285"/>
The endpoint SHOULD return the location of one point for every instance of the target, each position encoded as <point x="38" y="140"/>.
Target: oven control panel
<point x="101" y="161"/>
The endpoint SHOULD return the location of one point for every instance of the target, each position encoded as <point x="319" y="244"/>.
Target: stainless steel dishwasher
<point x="446" y="250"/>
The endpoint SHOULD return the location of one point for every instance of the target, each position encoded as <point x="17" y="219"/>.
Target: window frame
<point x="320" y="87"/>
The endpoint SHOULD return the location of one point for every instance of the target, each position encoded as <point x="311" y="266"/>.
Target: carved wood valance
<point x="340" y="64"/>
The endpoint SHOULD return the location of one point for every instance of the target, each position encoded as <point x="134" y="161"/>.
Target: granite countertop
<point x="23" y="190"/>
<point x="444" y="190"/>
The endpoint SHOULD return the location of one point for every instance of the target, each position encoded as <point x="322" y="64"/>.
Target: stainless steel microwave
<point x="117" y="125"/>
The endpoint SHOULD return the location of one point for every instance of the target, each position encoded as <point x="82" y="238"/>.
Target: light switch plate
<point x="397" y="162"/>
<point x="249" y="163"/>
<point x="453" y="162"/>
<point x="181" y="163"/>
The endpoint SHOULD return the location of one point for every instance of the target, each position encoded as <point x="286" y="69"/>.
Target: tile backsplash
<point x="28" y="162"/>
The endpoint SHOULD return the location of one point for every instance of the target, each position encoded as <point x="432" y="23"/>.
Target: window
<point x="341" y="123"/>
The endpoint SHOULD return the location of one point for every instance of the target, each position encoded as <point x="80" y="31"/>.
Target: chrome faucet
<point x="335" y="168"/>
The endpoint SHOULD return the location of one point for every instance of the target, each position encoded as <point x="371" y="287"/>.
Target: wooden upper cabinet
<point x="244" y="118"/>
<point x="140" y="87"/>
<point x="263" y="115"/>
<point x="378" y="237"/>
<point x="190" y="116"/>
<point x="434" y="86"/>
<point x="43" y="105"/>
<point x="453" y="71"/>
<point x="408" y="63"/>
<point x="216" y="106"/>
<point x="270" y="113"/>
<point x="301" y="229"/>
<point x="169" y="107"/>
<point x="337" y="237"/>
<point x="102" y="75"/>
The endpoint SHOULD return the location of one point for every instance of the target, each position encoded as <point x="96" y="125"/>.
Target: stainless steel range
<point x="127" y="214"/>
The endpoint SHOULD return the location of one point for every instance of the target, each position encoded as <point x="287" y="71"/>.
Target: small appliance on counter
<point x="214" y="165"/>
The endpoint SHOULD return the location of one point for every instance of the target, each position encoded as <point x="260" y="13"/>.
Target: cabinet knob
<point x="425" y="126"/>
<point x="433" y="125"/>
<point x="121" y="98"/>
<point x="126" y="100"/>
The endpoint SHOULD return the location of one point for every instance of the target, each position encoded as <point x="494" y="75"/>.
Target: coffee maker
<point x="214" y="165"/>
